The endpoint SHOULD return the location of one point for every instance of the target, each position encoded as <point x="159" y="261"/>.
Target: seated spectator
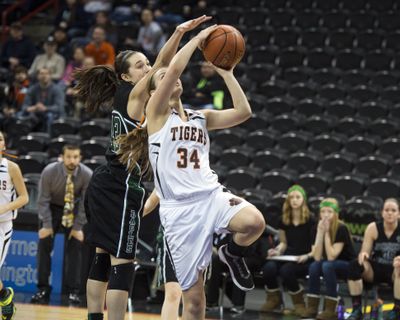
<point x="73" y="18"/>
<point x="43" y="102"/>
<point x="209" y="91"/>
<point x="375" y="261"/>
<point x="18" y="49"/>
<point x="332" y="251"/>
<point x="50" y="60"/>
<point x="62" y="41"/>
<point x="151" y="37"/>
<point x="18" y="88"/>
<point x="297" y="223"/>
<point x="67" y="79"/>
<point x="102" y="20"/>
<point x="102" y="51"/>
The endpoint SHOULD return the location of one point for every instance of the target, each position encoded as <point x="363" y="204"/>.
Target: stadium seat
<point x="40" y="156"/>
<point x="360" y="145"/>
<point x="28" y="143"/>
<point x="90" y="148"/>
<point x="319" y="58"/>
<point x="28" y="164"/>
<point x="384" y="188"/>
<point x="294" y="141"/>
<point x="93" y="163"/>
<point x="55" y="146"/>
<point x="349" y="185"/>
<point x="334" y="20"/>
<point x="259" y="194"/>
<point x="229" y="15"/>
<point x="377" y="60"/>
<point x="215" y="152"/>
<point x="388" y="21"/>
<point x="258" y="36"/>
<point x="235" y="157"/>
<point x="383" y="127"/>
<point x="74" y="139"/>
<point x="259" y="73"/>
<point x="285" y="122"/>
<point x="221" y="171"/>
<point x="285" y="37"/>
<point x="240" y="179"/>
<point x="361" y="209"/>
<point x="33" y="193"/>
<point x="341" y="108"/>
<point x="318" y="124"/>
<point x="89" y="129"/>
<point x="62" y="126"/>
<point x="313" y="182"/>
<point x="332" y="92"/>
<point x="313" y="38"/>
<point x="258" y="121"/>
<point x="348" y="59"/>
<point x="381" y="5"/>
<point x="338" y="163"/>
<point x="395" y="170"/>
<point x="373" y="110"/>
<point x="16" y="130"/>
<point x="327" y="5"/>
<point x="309" y="107"/>
<point x="384" y="79"/>
<point x="350" y="126"/>
<point x="341" y="39"/>
<point x="355" y="77"/>
<point x="303" y="161"/>
<point x="391" y="94"/>
<point x="229" y="137"/>
<point x="373" y="165"/>
<point x="328" y="143"/>
<point x="279" y="105"/>
<point x="263" y="55"/>
<point x="277" y="180"/>
<point x="261" y="139"/>
<point x="325" y="76"/>
<point x="296" y="74"/>
<point x="369" y="40"/>
<point x="269" y="159"/>
<point x="361" y="21"/>
<point x="252" y="17"/>
<point x="306" y="19"/>
<point x="363" y="93"/>
<point x="392" y="41"/>
<point x="302" y="90"/>
<point x="290" y="57"/>
<point x="390" y="146"/>
<point x="275" y="4"/>
<point x="354" y="5"/>
<point x="280" y="18"/>
<point x="300" y="5"/>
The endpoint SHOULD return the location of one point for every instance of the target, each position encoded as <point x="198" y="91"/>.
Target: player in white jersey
<point x="193" y="205"/>
<point x="13" y="195"/>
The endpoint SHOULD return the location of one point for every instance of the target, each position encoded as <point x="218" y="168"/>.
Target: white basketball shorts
<point x="5" y="239"/>
<point x="189" y="228"/>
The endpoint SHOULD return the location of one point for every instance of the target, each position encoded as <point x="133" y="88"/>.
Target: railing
<point x="18" y="4"/>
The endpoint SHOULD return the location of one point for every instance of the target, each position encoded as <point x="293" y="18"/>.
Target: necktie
<point x="68" y="215"/>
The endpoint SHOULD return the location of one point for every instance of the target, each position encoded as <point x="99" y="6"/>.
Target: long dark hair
<point x="96" y="86"/>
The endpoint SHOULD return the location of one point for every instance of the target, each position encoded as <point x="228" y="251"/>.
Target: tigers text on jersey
<point x="7" y="190"/>
<point x="179" y="155"/>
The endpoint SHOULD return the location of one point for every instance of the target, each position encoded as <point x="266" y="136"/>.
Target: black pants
<point x="289" y="272"/>
<point x="72" y="256"/>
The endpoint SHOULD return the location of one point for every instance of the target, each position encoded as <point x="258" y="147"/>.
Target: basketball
<point x="224" y="47"/>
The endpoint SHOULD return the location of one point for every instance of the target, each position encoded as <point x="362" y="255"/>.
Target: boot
<point x="298" y="302"/>
<point x="329" y="312"/>
<point x="312" y="306"/>
<point x="273" y="301"/>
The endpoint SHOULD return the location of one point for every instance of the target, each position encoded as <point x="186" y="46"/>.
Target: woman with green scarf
<point x="332" y="251"/>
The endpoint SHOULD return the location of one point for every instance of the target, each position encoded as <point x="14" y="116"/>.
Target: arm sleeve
<point x="80" y="218"/>
<point x="44" y="198"/>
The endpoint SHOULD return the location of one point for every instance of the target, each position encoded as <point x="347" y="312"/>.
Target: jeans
<point x="330" y="270"/>
<point x="288" y="271"/>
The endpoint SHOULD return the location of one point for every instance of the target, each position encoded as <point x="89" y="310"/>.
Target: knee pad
<point x="355" y="270"/>
<point x="121" y="277"/>
<point x="100" y="269"/>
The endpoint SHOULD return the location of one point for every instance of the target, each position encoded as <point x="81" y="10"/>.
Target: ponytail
<point x="96" y="86"/>
<point x="134" y="148"/>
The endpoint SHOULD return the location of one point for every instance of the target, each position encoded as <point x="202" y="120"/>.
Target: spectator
<point x="332" y="251"/>
<point x="62" y="188"/>
<point x="18" y="88"/>
<point x="78" y="57"/>
<point x="43" y="102"/>
<point x="375" y="261"/>
<point x="94" y="6"/>
<point x="296" y="224"/>
<point x="209" y="92"/>
<point x="62" y="41"/>
<point x="50" y="60"/>
<point x="18" y="50"/>
<point x="73" y="18"/>
<point x="102" y="51"/>
<point x="102" y="20"/>
<point x="151" y="37"/>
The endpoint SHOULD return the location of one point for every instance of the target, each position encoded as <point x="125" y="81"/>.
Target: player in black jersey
<point x="381" y="245"/>
<point x="115" y="197"/>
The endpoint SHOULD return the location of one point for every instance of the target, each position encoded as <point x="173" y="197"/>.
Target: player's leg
<point x="96" y="285"/>
<point x="194" y="300"/>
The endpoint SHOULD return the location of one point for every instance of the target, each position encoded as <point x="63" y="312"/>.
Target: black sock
<point x="356" y="300"/>
<point x="3" y="293"/>
<point x="95" y="316"/>
<point x="235" y="249"/>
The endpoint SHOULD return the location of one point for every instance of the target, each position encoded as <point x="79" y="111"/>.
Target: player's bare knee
<point x="255" y="221"/>
<point x="172" y="295"/>
<point x="194" y="304"/>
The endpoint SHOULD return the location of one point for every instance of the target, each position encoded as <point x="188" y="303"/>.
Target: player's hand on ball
<point x="191" y="24"/>
<point x="203" y="34"/>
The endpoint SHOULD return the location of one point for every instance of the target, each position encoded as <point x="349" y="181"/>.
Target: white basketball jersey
<point x="179" y="156"/>
<point x="7" y="191"/>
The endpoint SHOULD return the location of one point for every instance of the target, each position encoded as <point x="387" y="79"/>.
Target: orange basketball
<point x="224" y="47"/>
